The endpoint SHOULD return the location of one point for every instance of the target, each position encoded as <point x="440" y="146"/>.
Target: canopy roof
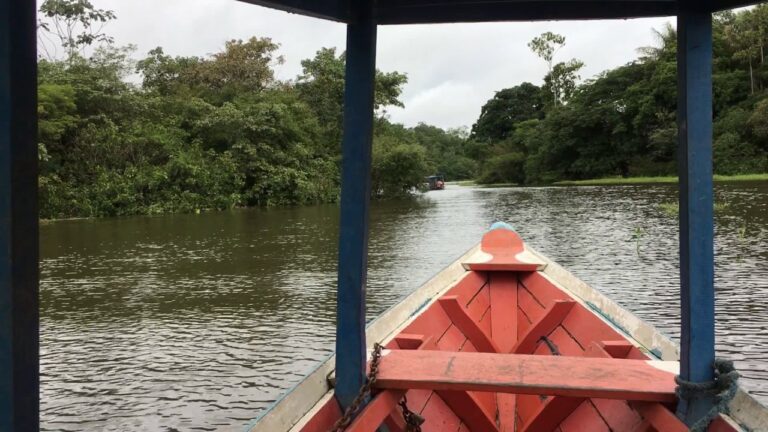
<point x="446" y="11"/>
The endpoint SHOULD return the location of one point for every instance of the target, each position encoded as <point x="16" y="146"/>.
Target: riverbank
<point x="468" y="183"/>
<point x="650" y="180"/>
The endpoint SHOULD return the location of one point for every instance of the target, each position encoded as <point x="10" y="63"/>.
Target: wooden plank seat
<point x="529" y="374"/>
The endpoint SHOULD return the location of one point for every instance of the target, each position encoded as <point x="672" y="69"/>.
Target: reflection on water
<point x="197" y="322"/>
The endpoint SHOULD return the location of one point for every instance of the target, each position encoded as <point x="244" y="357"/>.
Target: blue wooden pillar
<point x="697" y="297"/>
<point x="355" y="197"/>
<point x="19" y="347"/>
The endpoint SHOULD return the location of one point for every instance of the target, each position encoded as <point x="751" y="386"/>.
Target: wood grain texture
<point x="528" y="374"/>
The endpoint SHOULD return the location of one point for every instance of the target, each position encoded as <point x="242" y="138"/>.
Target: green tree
<point x="72" y="25"/>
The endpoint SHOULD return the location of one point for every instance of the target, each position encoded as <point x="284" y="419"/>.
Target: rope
<point x="722" y="389"/>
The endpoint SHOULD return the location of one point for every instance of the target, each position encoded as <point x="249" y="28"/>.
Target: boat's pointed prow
<point x="502" y="249"/>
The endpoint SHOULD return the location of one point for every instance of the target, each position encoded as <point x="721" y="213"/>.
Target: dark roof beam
<point x="489" y="10"/>
<point x="334" y="10"/>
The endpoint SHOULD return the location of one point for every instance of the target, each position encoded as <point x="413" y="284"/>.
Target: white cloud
<point x="453" y="69"/>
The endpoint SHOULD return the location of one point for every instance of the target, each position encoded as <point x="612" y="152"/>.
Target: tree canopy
<point x="623" y="122"/>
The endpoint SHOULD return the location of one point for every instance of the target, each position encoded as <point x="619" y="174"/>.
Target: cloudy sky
<point x="452" y="69"/>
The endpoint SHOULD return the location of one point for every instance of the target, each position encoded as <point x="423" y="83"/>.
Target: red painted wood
<point x="541" y="288"/>
<point x="551" y="413"/>
<point x="467" y="325"/>
<point x="529" y="305"/>
<point x="504" y="246"/>
<point x="564" y="343"/>
<point x="503" y="298"/>
<point x="432" y="321"/>
<point x="506" y="411"/>
<point x="525" y="374"/>
<point x="410" y="341"/>
<point x="586" y="327"/>
<point x="617" y="414"/>
<point x="659" y="417"/>
<point x="523" y="324"/>
<point x="468" y="286"/>
<point x="644" y="427"/>
<point x="617" y="349"/>
<point x="551" y="318"/>
<point x="373" y="415"/>
<point x="479" y="304"/>
<point x="452" y="339"/>
<point x="584" y="418"/>
<point x="325" y="417"/>
<point x="438" y="416"/>
<point x="468" y="408"/>
<point x="653" y="415"/>
<point x="395" y="422"/>
<point x="417" y="399"/>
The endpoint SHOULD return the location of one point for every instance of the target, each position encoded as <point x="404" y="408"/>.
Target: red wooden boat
<point x="506" y="340"/>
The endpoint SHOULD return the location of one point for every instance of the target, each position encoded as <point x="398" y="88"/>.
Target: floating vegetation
<point x="637" y="236"/>
<point x="673" y="208"/>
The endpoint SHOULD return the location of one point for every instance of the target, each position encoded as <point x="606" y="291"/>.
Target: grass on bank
<point x="651" y="180"/>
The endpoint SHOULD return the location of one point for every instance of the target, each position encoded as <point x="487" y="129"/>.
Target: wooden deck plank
<point x="468" y="287"/>
<point x="479" y="304"/>
<point x="503" y="298"/>
<point x="584" y="418"/>
<point x="468" y="408"/>
<point x="659" y="417"/>
<point x="586" y="327"/>
<point x="542" y="289"/>
<point x="528" y="374"/>
<point x="530" y="306"/>
<point x="564" y="343"/>
<point x="438" y="416"/>
<point x="523" y="324"/>
<point x="550" y="319"/>
<point x="467" y="325"/>
<point x="433" y="321"/>
<point x="551" y="413"/>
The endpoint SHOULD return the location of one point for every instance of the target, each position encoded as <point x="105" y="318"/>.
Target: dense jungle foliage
<point x="216" y="132"/>
<point x="622" y="122"/>
<point x="120" y="136"/>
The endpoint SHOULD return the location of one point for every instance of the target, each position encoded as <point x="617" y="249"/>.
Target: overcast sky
<point x="452" y="69"/>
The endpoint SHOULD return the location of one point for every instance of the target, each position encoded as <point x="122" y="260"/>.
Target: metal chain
<point x="413" y="421"/>
<point x="349" y="414"/>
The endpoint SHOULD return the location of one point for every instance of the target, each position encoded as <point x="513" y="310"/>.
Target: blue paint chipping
<point x="355" y="197"/>
<point x="697" y="294"/>
<point x="501" y="225"/>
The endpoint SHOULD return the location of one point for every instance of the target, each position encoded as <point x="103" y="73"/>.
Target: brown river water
<point x="199" y="322"/>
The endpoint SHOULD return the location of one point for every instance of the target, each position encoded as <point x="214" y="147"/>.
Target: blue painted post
<point x="355" y="196"/>
<point x="19" y="380"/>
<point x="697" y="293"/>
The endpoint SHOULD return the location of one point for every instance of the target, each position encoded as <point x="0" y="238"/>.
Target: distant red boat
<point x="506" y="340"/>
<point x="436" y="182"/>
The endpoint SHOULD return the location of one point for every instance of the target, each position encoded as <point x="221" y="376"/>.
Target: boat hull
<point x="545" y="312"/>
